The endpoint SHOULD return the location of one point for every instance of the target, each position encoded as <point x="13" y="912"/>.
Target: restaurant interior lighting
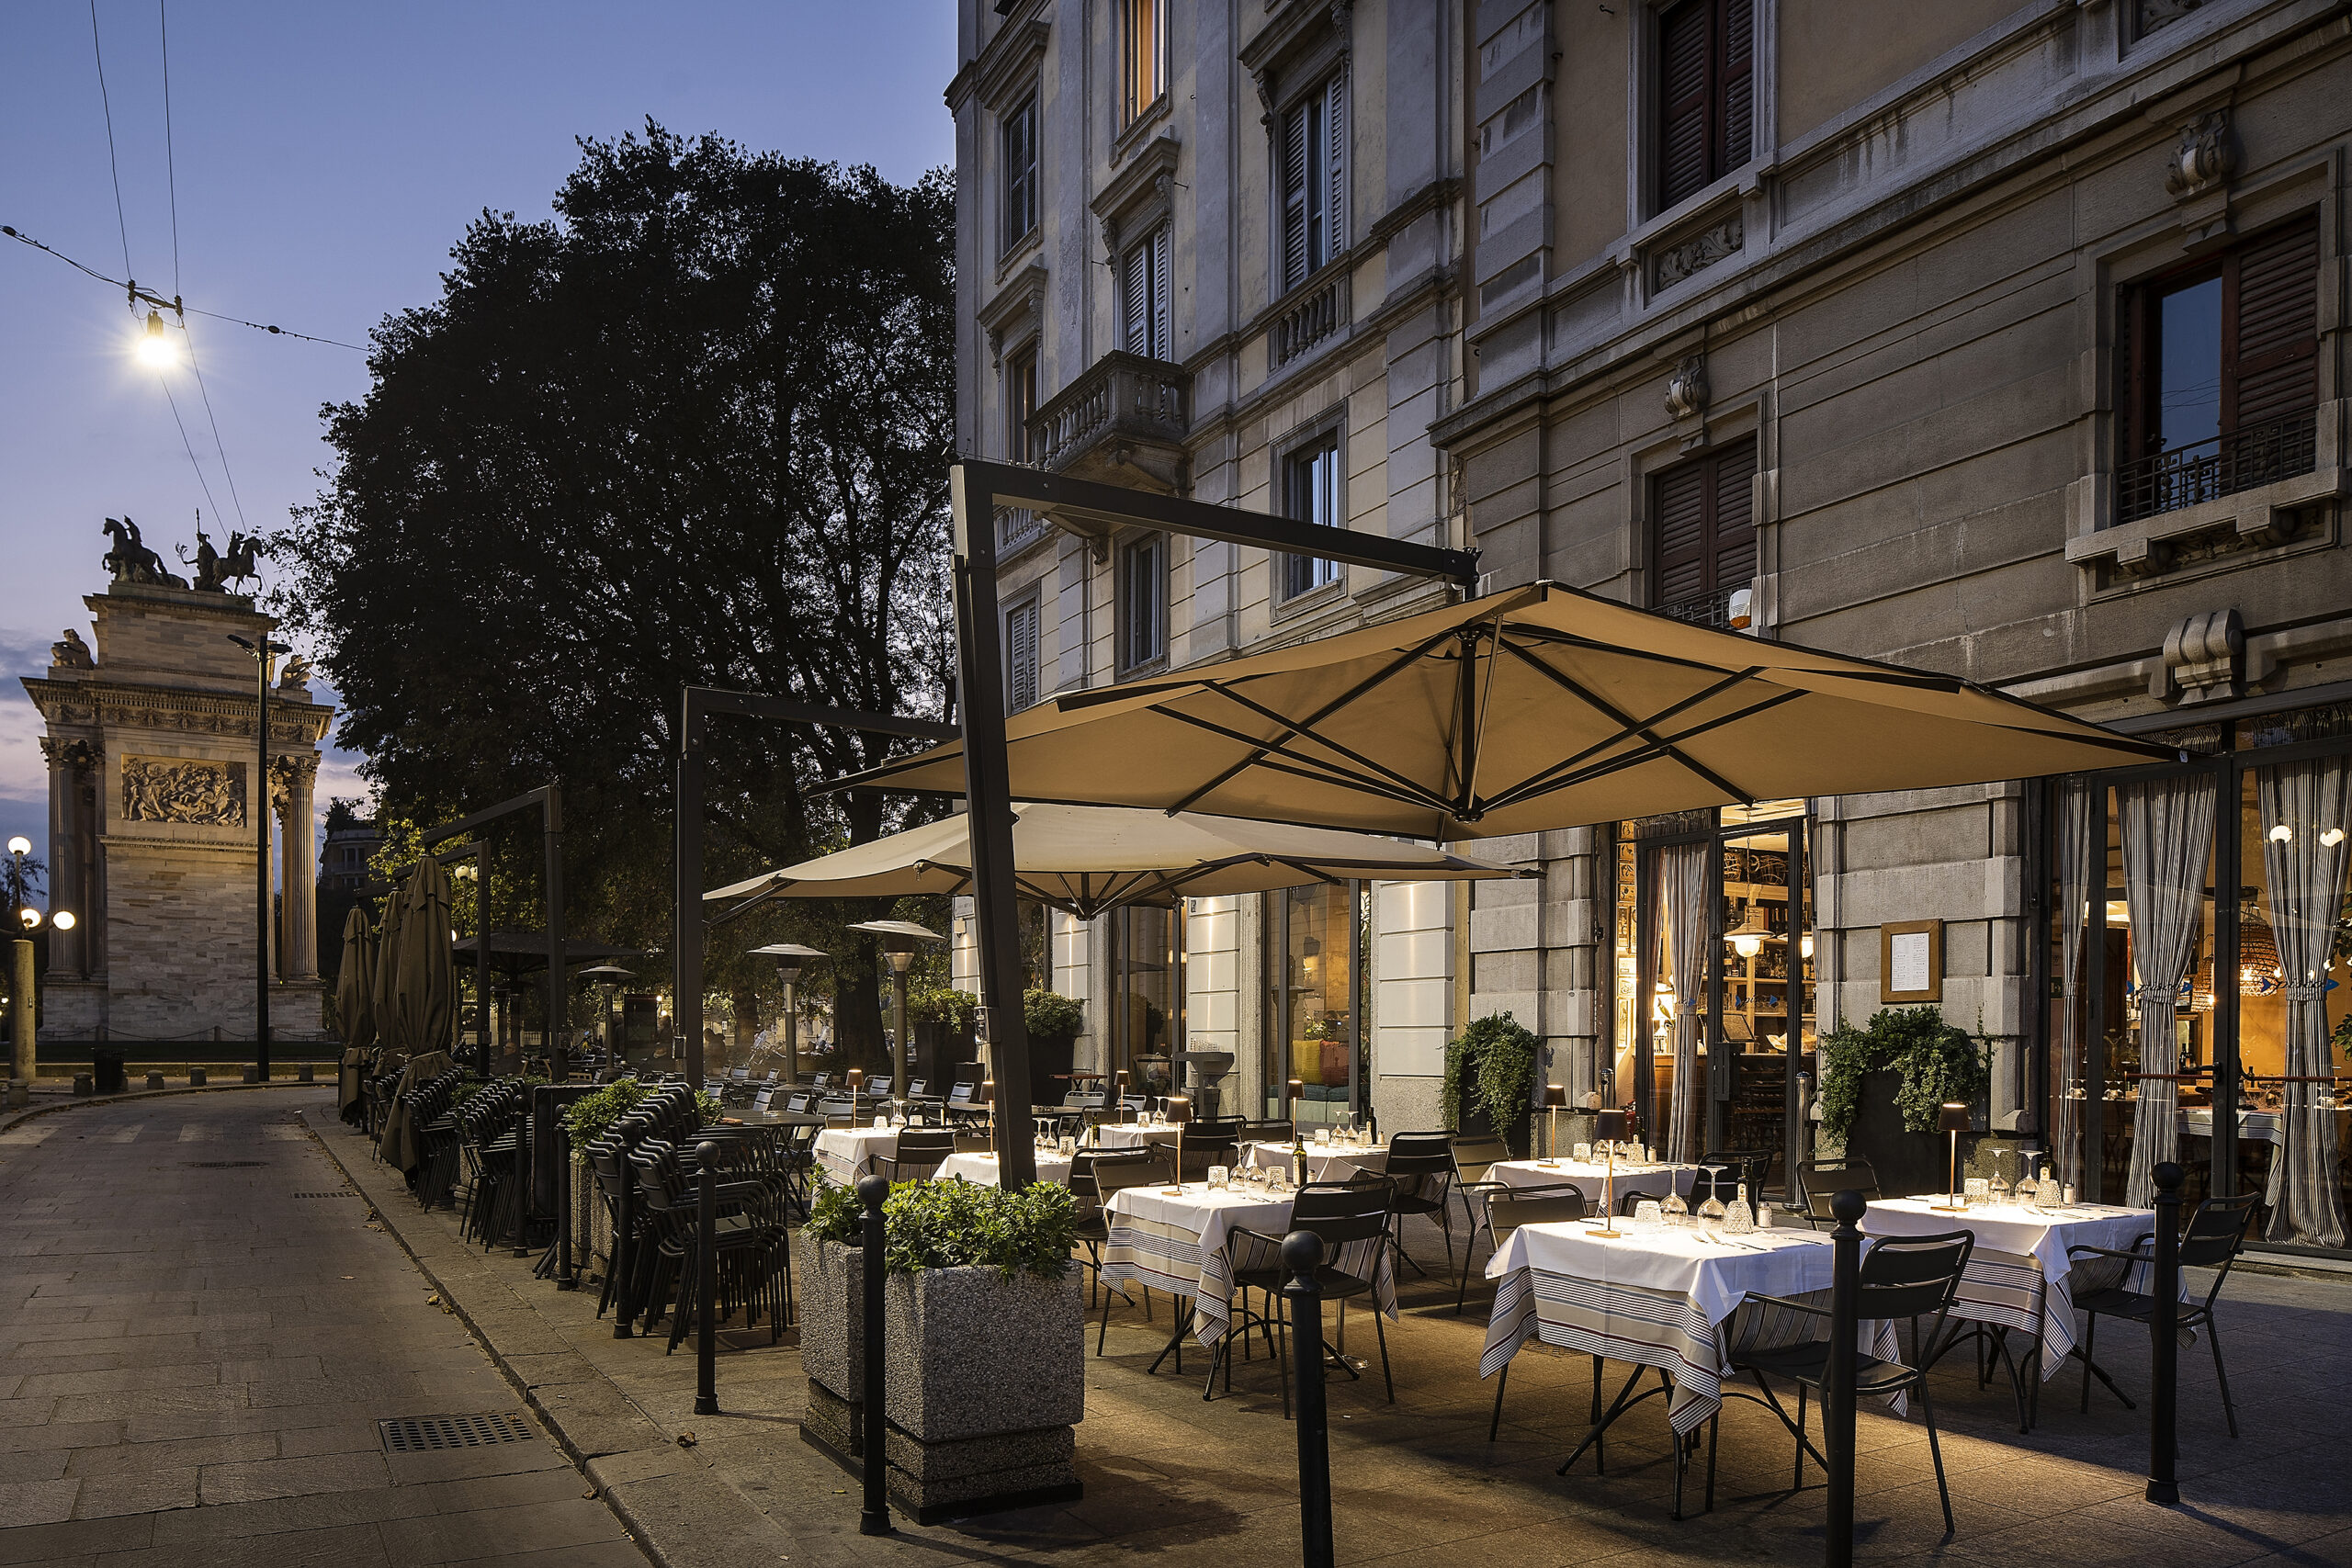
<point x="2282" y="834"/>
<point x="2332" y="837"/>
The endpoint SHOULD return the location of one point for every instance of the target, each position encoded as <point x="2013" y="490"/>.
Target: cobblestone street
<point x="200" y="1334"/>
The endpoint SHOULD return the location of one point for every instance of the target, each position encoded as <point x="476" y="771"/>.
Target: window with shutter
<point x="1704" y="94"/>
<point x="1142" y="47"/>
<point x="1163" y="333"/>
<point x="2221" y="364"/>
<point x="1702" y="535"/>
<point x="1313" y="148"/>
<point x="1019" y="150"/>
<point x="1144" y="324"/>
<point x="1312" y="478"/>
<point x="1020" y="403"/>
<point x="1021" y="656"/>
<point x="1143" y="601"/>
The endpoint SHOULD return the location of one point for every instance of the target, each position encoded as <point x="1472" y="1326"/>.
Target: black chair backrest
<point x="1117" y="1169"/>
<point x="1133" y="1104"/>
<point x="842" y="1110"/>
<point x="1911" y="1276"/>
<point x="1275" y="1129"/>
<point x="880" y="1087"/>
<point x="1420" y="1153"/>
<point x="1822" y="1180"/>
<point x="2216" y="1231"/>
<point x="1214" y="1133"/>
<point x="918" y="1088"/>
<point x="1733" y="1166"/>
<point x="822" y="1080"/>
<point x="1474" y="1158"/>
<point x="800" y="1100"/>
<point x="1342" y="1211"/>
<point x="924" y="1143"/>
<point x="1506" y="1212"/>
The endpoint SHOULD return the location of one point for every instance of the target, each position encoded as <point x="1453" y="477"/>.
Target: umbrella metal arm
<point x="688" y="927"/>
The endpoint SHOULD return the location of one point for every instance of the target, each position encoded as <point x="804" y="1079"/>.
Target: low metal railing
<point x="2224" y="465"/>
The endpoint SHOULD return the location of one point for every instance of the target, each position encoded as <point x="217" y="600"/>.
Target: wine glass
<point x="1676" y="1212"/>
<point x="1711" y="1210"/>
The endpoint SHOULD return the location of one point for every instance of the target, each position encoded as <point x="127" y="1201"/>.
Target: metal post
<point x="565" y="1279"/>
<point x="261" y="865"/>
<point x="899" y="1068"/>
<point x="481" y="958"/>
<point x="523" y="1182"/>
<point x="874" y="1519"/>
<point x="1838" y="1394"/>
<point x="707" y="1277"/>
<point x="559" y="1013"/>
<point x="1302" y="1254"/>
<point x="686" y="944"/>
<point x="2163" y="1339"/>
<point x="619" y="1262"/>
<point x="23" y="1051"/>
<point x="791" y="1033"/>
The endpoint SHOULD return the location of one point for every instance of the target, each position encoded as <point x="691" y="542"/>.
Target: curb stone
<point x="21" y="1117"/>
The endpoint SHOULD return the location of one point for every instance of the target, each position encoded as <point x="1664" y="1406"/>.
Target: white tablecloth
<point x="1650" y="1181"/>
<point x="1325" y="1162"/>
<point x="2017" y="1275"/>
<point x="1129" y="1135"/>
<point x="845" y="1154"/>
<point x="1661" y="1298"/>
<point x="980" y="1168"/>
<point x="1177" y="1243"/>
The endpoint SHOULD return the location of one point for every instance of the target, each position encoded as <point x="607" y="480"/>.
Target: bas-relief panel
<point x="184" y="790"/>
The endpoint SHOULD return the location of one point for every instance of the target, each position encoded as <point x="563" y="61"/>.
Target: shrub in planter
<point x="984" y="1341"/>
<point x="1054" y="1022"/>
<point x="1490" y="1079"/>
<point x="1882" y="1083"/>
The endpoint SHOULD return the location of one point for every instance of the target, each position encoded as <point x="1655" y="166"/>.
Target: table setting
<point x="1328" y="1159"/>
<point x="845" y="1154"/>
<point x="979" y="1166"/>
<point x="1650" y="1179"/>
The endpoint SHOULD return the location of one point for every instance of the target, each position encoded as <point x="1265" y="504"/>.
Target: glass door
<point x="1148" y="997"/>
<point x="1314" y="1014"/>
<point x="1763" y="1038"/>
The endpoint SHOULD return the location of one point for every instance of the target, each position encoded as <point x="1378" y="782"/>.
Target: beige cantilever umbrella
<point x="1084" y="859"/>
<point x="354" y="1004"/>
<point x="1538" y="707"/>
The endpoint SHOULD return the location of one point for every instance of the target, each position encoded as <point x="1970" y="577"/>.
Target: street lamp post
<point x="262" y="649"/>
<point x="20" y="979"/>
<point x="789" y="958"/>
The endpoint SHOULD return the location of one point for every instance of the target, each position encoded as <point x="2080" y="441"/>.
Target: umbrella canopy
<point x="383" y="974"/>
<point x="514" y="952"/>
<point x="1540" y="707"/>
<point x="425" y="982"/>
<point x="1084" y="859"/>
<point x="355" y="985"/>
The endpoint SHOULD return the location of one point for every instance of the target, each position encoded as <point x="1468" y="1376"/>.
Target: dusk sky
<point x="327" y="158"/>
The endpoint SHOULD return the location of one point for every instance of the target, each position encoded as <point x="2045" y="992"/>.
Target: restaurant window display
<point x="1314" y="936"/>
<point x="2202" y="938"/>
<point x="1713" y="959"/>
<point x="1147" y="981"/>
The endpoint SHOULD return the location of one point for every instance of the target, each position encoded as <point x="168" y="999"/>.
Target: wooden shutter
<point x="1735" y="92"/>
<point x="1134" y="300"/>
<point x="1335" y="170"/>
<point x="2274" y="371"/>
<point x="1162" y="338"/>
<point x="1293" y="158"/>
<point x="1703" y="532"/>
<point x="1733" y="541"/>
<point x="1020" y="655"/>
<point x="1679" y="574"/>
<point x="1683" y="46"/>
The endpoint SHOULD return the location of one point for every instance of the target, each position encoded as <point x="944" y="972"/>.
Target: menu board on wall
<point x="1911" y="962"/>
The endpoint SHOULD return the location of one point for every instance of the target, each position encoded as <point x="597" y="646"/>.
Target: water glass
<point x="1648" y="1213"/>
<point x="881" y="1123"/>
<point x="1583" y="1153"/>
<point x="1976" y="1192"/>
<point x="1069" y="1146"/>
<point x="1218" y="1178"/>
<point x="1323" y="1136"/>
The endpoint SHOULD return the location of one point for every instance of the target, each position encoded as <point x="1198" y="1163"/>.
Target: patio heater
<point x="790" y="957"/>
<point x="899" y="939"/>
<point x="608" y="977"/>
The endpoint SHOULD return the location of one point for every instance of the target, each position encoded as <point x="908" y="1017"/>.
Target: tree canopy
<point x="695" y="428"/>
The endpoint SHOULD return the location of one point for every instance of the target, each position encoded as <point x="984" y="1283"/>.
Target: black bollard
<point x="1837" y="1393"/>
<point x="620" y="1261"/>
<point x="707" y="1277"/>
<point x="523" y="1182"/>
<point x="2163" y="1339"/>
<point x="874" y="1517"/>
<point x="565" y="1280"/>
<point x="1302" y="1255"/>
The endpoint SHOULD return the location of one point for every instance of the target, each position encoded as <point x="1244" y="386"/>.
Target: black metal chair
<point x="1343" y="1213"/>
<point x="920" y="1154"/>
<point x="1900" y="1276"/>
<point x="1112" y="1172"/>
<point x="1420" y="1175"/>
<point x="1214" y="1139"/>
<point x="1735" y="1168"/>
<point x="2215" y="1236"/>
<point x="1505" y="1211"/>
<point x="1818" y="1180"/>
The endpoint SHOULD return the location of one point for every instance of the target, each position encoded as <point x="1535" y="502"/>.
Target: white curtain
<point x="1681" y="886"/>
<point x="2168" y="838"/>
<point x="2305" y="868"/>
<point x="2078" y="849"/>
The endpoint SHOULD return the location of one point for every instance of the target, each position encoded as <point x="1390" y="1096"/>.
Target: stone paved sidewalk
<point x="200" y="1330"/>
<point x="1215" y="1483"/>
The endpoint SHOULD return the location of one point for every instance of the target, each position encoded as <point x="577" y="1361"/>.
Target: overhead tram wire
<point x="171" y="167"/>
<point x="121" y="224"/>
<point x="160" y="303"/>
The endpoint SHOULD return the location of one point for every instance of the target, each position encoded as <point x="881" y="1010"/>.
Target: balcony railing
<point x="1122" y="397"/>
<point x="2206" y="470"/>
<point x="1319" y="312"/>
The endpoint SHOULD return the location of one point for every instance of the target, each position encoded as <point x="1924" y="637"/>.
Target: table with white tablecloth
<point x="1175" y="1241"/>
<point x="1325" y="1162"/>
<point x="978" y="1165"/>
<point x="845" y="1154"/>
<point x="1591" y="1177"/>
<point x="1661" y="1297"/>
<point x="1133" y="1135"/>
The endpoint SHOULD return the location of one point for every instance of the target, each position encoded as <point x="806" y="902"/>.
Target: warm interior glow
<point x="2332" y="837"/>
<point x="1747" y="944"/>
<point x="2282" y="834"/>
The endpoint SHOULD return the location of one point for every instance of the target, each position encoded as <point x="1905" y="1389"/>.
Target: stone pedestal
<point x="156" y="790"/>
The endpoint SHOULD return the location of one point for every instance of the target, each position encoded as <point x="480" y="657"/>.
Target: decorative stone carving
<point x="296" y="676"/>
<point x="184" y="789"/>
<point x="2150" y="15"/>
<point x="1702" y="251"/>
<point x="71" y="653"/>
<point x="2205" y="157"/>
<point x="78" y="755"/>
<point x="129" y="560"/>
<point x="1686" y="389"/>
<point x="2205" y="659"/>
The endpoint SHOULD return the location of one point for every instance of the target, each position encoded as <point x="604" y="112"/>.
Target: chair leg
<point x="1796" y="1481"/>
<point x="1380" y="1329"/>
<point x="2229" y="1406"/>
<point x="1104" y="1331"/>
<point x="2090" y="1333"/>
<point x="1494" y="1424"/>
<point x="1935" y="1451"/>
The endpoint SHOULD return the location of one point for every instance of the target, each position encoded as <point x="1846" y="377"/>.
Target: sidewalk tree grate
<point x="223" y="1164"/>
<point x="420" y="1433"/>
<point x="326" y="1194"/>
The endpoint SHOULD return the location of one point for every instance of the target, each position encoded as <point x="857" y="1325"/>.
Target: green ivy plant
<point x="942" y="1004"/>
<point x="834" y="1215"/>
<point x="958" y="1224"/>
<point x="1938" y="1062"/>
<point x="1501" y="1054"/>
<point x="1051" y="1014"/>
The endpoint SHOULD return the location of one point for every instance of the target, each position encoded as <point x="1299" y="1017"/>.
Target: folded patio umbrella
<point x="1084" y="859"/>
<point x="424" y="1009"/>
<point x="1539" y="708"/>
<point x="354" y="1004"/>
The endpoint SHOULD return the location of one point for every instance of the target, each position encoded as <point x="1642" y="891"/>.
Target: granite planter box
<point x="984" y="1380"/>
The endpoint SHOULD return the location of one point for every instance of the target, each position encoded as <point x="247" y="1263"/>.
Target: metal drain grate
<point x="326" y="1194"/>
<point x="421" y="1434"/>
<point x="223" y="1164"/>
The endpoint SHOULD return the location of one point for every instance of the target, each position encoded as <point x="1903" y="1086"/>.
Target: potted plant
<point x="984" y="1342"/>
<point x="1054" y="1022"/>
<point x="1489" y="1084"/>
<point x="940" y="1020"/>
<point x="1883" y="1084"/>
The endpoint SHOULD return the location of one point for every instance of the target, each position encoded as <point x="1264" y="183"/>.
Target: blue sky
<point x="327" y="156"/>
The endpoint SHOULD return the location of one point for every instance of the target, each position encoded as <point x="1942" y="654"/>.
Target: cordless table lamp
<point x="985" y="1095"/>
<point x="1179" y="1111"/>
<point x="1555" y="1098"/>
<point x="1953" y="1120"/>
<point x="1608" y="1127"/>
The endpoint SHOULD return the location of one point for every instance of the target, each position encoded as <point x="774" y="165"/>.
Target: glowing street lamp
<point x="155" y="349"/>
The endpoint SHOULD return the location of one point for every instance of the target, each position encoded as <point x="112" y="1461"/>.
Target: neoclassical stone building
<point x="152" y="786"/>
<point x="2003" y="339"/>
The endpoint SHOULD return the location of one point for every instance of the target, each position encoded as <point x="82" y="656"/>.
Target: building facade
<point x="2006" y="342"/>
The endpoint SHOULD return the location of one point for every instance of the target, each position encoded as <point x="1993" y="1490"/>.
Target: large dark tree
<point x="693" y="429"/>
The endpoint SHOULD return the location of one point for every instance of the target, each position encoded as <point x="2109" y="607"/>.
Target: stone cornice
<point x="86" y="704"/>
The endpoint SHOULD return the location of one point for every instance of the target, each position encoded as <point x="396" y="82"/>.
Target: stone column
<point x="297" y="867"/>
<point x="64" y="853"/>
